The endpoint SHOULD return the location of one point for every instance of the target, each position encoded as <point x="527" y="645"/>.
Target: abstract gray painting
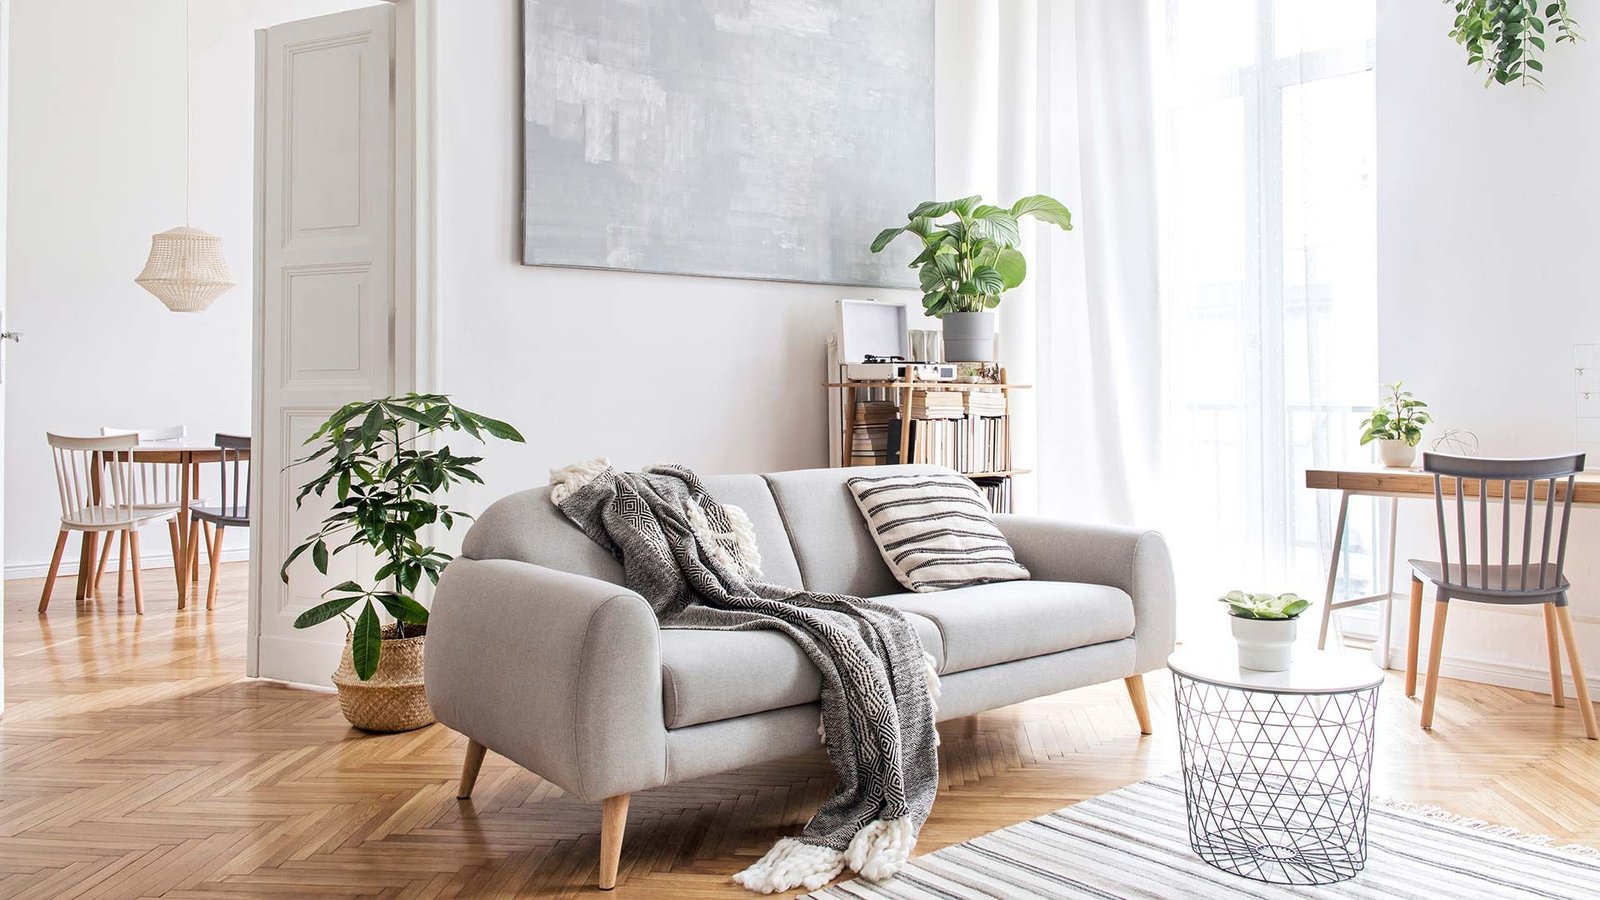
<point x="740" y="138"/>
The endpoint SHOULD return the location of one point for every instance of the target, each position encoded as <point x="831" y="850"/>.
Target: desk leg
<point x="1333" y="569"/>
<point x="1382" y="650"/>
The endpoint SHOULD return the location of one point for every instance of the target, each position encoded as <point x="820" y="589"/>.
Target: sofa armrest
<point x="1132" y="559"/>
<point x="558" y="672"/>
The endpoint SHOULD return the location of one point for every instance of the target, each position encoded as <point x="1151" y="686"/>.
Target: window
<point x="1266" y="122"/>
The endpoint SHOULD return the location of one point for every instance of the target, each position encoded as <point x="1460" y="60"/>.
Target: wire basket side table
<point x="1277" y="766"/>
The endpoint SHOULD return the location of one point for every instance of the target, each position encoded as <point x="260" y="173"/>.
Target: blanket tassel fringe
<point x="876" y="853"/>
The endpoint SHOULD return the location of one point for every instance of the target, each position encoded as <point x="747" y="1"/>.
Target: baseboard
<point x="1500" y="674"/>
<point x="147" y="561"/>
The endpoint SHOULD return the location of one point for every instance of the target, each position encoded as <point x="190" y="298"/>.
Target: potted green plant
<point x="969" y="258"/>
<point x="1264" y="625"/>
<point x="385" y="483"/>
<point x="1396" y="424"/>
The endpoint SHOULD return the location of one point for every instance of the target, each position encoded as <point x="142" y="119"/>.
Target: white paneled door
<point x="326" y="310"/>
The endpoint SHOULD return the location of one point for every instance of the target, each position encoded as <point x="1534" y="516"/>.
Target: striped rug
<point x="1132" y="843"/>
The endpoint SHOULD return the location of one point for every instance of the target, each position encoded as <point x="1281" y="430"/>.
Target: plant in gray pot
<point x="969" y="258"/>
<point x="1396" y="424"/>
<point x="1264" y="625"/>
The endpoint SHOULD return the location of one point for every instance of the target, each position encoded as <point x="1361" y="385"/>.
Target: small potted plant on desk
<point x="1396" y="425"/>
<point x="1264" y="625"/>
<point x="968" y="261"/>
<point x="385" y="487"/>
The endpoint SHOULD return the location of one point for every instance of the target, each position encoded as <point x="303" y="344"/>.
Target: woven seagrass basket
<point x="393" y="699"/>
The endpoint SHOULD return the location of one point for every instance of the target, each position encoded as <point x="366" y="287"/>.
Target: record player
<point x="875" y="345"/>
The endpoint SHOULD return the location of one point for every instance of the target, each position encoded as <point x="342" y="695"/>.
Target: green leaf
<point x="885" y="237"/>
<point x="997" y="225"/>
<point x="322" y="612"/>
<point x="987" y="280"/>
<point x="366" y="642"/>
<point x="283" y="571"/>
<point x="404" y="608"/>
<point x="1046" y="209"/>
<point x="499" y="429"/>
<point x="319" y="556"/>
<point x="933" y="209"/>
<point x="1012" y="266"/>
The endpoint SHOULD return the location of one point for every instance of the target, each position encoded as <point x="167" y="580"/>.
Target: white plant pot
<point x="1396" y="454"/>
<point x="1265" y="645"/>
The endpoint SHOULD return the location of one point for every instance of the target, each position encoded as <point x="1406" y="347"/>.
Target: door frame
<point x="415" y="241"/>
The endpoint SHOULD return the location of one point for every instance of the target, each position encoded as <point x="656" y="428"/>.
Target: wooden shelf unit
<point x="906" y="391"/>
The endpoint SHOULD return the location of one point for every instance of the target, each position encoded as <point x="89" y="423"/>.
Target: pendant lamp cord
<point x="188" y="113"/>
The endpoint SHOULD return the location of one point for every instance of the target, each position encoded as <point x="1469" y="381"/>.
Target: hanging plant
<point x="1509" y="35"/>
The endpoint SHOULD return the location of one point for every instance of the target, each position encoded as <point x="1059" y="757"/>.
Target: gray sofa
<point x="536" y="652"/>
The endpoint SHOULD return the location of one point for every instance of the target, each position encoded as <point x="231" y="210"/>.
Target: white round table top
<point x="1310" y="672"/>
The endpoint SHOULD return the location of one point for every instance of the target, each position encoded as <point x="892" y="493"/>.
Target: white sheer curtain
<point x="1055" y="97"/>
<point x="1265" y="111"/>
<point x="1208" y="331"/>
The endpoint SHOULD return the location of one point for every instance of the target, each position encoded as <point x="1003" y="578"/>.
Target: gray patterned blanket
<point x="694" y="561"/>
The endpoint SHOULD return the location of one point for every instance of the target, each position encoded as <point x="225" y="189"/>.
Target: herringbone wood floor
<point x="135" y="762"/>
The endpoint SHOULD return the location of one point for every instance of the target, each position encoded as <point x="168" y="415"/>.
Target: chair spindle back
<point x="94" y="477"/>
<point x="155" y="484"/>
<point x="235" y="475"/>
<point x="1548" y="475"/>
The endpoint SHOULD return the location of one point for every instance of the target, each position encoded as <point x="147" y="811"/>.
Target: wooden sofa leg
<point x="469" y="769"/>
<point x="613" y="818"/>
<point x="1141" y="706"/>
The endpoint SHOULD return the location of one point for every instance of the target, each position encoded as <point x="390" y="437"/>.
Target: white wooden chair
<point x="100" y="493"/>
<point x="160" y="487"/>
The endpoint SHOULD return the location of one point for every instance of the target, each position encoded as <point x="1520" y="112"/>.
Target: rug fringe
<point x="1444" y="816"/>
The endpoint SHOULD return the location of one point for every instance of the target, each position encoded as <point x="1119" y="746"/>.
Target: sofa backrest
<point x="527" y="527"/>
<point x="835" y="550"/>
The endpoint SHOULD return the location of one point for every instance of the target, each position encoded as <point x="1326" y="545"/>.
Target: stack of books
<point x="997" y="491"/>
<point x="986" y="403"/>
<point x="937" y="405"/>
<point x="870" y="445"/>
<point x="971" y="444"/>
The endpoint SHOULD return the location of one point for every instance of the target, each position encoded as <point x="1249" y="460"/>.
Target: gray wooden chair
<point x="1513" y="580"/>
<point x="233" y="508"/>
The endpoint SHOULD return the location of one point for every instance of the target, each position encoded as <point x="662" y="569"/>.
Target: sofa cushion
<point x="989" y="624"/>
<point x="934" y="530"/>
<point x="831" y="542"/>
<point x="708" y="676"/>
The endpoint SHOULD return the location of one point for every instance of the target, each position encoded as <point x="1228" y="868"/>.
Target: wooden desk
<point x="1397" y="485"/>
<point x="190" y="455"/>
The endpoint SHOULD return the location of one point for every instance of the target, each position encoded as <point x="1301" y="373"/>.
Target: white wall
<point x="96" y="167"/>
<point x="1487" y="268"/>
<point x="722" y="375"/>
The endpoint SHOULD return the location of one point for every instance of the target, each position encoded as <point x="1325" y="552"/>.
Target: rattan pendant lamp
<point x="186" y="269"/>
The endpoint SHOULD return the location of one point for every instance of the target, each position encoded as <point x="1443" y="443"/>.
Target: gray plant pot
<point x="969" y="337"/>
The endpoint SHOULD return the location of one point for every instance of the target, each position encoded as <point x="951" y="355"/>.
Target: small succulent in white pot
<point x="1264" y="625"/>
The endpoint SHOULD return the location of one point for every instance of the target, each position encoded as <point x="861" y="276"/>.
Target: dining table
<point x="189" y="455"/>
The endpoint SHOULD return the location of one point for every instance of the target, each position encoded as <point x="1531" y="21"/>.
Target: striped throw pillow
<point x="934" y="530"/>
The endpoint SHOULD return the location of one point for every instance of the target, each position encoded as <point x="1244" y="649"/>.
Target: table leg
<point x="194" y="567"/>
<point x="1382" y="650"/>
<point x="86" y="561"/>
<point x="1333" y="569"/>
<point x="180" y="563"/>
<point x="91" y="539"/>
